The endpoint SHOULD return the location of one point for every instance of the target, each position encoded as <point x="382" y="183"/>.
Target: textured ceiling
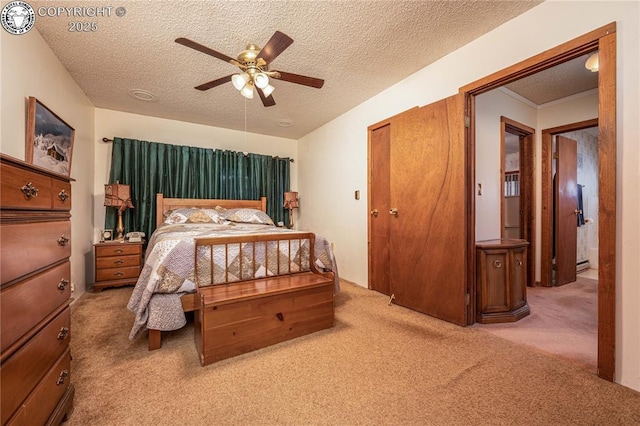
<point x="358" y="47"/>
<point x="566" y="79"/>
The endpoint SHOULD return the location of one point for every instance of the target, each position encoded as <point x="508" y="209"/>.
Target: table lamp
<point x="290" y="203"/>
<point x="118" y="195"/>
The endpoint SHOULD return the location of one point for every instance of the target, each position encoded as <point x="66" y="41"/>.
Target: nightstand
<point x="117" y="264"/>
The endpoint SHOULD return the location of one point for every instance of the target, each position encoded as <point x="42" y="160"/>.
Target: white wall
<point x="112" y="124"/>
<point x="333" y="158"/>
<point x="29" y="68"/>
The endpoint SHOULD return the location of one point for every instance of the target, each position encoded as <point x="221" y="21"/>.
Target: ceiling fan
<point x="254" y="64"/>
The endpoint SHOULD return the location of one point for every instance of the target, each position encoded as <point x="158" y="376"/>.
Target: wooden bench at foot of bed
<point x="235" y="317"/>
<point x="242" y="317"/>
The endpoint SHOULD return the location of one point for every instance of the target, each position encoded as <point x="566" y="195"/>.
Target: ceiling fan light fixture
<point x="239" y="80"/>
<point x="593" y="63"/>
<point x="261" y="80"/>
<point x="268" y="90"/>
<point x="247" y="91"/>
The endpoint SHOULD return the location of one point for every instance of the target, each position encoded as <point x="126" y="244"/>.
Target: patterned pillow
<point x="193" y="215"/>
<point x="246" y="215"/>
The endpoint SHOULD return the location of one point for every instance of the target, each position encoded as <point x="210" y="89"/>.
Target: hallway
<point x="563" y="321"/>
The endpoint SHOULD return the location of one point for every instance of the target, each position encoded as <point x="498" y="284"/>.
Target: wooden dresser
<point x="36" y="287"/>
<point x="117" y="264"/>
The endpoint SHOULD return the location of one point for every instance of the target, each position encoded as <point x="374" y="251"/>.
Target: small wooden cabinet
<point x="501" y="280"/>
<point x="117" y="264"/>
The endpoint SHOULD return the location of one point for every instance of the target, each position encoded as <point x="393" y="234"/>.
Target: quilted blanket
<point x="169" y="271"/>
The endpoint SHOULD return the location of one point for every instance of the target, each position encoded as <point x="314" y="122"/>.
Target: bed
<point x="166" y="287"/>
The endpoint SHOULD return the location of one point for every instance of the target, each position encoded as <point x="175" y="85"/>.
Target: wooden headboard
<point x="165" y="204"/>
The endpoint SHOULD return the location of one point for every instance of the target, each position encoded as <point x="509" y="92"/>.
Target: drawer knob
<point x="62" y="241"/>
<point x="280" y="316"/>
<point x="29" y="191"/>
<point x="63" y="195"/>
<point x="63" y="284"/>
<point x="497" y="264"/>
<point x="119" y="274"/>
<point x="64" y="332"/>
<point x="63" y="376"/>
<point x="518" y="262"/>
<point x="118" y="251"/>
<point x="119" y="262"/>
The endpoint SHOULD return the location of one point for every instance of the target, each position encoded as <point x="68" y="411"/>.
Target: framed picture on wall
<point x="49" y="139"/>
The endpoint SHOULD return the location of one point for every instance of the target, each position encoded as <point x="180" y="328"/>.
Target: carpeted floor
<point x="563" y="322"/>
<point x="380" y="364"/>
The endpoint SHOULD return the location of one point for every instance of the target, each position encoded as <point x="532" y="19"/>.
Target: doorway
<point x="563" y="265"/>
<point x="602" y="40"/>
<point x="517" y="153"/>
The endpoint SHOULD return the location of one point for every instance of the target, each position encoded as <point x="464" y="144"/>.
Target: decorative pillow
<point x="246" y="215"/>
<point x="193" y="215"/>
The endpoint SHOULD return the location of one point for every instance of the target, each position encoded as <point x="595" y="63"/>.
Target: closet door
<point x="427" y="238"/>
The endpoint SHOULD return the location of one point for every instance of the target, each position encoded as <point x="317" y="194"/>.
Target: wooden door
<point x="565" y="212"/>
<point x="379" y="183"/>
<point x="428" y="252"/>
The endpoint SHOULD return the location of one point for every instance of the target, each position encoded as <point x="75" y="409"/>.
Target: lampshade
<point x="593" y="63"/>
<point x="261" y="80"/>
<point x="117" y="195"/>
<point x="247" y="90"/>
<point x="239" y="80"/>
<point x="291" y="200"/>
<point x="268" y="90"/>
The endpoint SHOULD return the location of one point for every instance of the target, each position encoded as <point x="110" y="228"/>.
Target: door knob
<point x="576" y="211"/>
<point x="374" y="212"/>
<point x="394" y="212"/>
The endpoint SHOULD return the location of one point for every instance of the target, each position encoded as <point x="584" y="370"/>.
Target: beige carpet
<point x="380" y="364"/>
<point x="563" y="322"/>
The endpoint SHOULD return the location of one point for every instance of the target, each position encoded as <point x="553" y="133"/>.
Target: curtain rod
<point x="107" y="140"/>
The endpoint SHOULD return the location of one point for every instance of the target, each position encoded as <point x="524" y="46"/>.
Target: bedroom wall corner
<point x="30" y="68"/>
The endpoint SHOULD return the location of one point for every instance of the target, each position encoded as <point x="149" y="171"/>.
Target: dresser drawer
<point x="23" y="370"/>
<point x="42" y="402"/>
<point x="28" y="247"/>
<point x="117" y="249"/>
<point x="117" y="261"/>
<point x="117" y="273"/>
<point x="25" y="304"/>
<point x="14" y="179"/>
<point x="61" y="192"/>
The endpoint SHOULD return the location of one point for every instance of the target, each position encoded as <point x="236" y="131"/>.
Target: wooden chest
<point x="35" y="277"/>
<point x="236" y="318"/>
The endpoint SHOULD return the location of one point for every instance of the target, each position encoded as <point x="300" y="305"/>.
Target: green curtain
<point x="189" y="172"/>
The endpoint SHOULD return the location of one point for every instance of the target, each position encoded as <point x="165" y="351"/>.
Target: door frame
<point x="603" y="40"/>
<point x="546" y="236"/>
<point x="526" y="136"/>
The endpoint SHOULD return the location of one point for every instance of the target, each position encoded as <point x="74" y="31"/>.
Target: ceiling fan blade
<point x="266" y="101"/>
<point x="275" y="46"/>
<point x="214" y="83"/>
<point x="197" y="46"/>
<point x="300" y="79"/>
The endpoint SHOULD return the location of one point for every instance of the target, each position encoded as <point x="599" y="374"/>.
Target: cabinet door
<point x="518" y="271"/>
<point x="427" y="217"/>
